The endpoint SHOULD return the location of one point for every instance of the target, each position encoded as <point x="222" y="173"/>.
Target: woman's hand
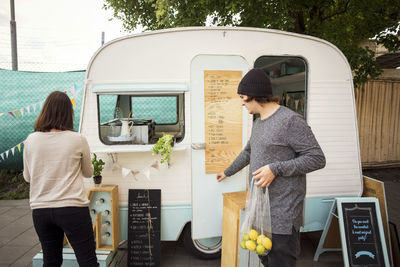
<point x="221" y="176"/>
<point x="264" y="175"/>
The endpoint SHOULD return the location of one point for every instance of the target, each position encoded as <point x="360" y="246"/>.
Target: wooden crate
<point x="109" y="193"/>
<point x="233" y="203"/>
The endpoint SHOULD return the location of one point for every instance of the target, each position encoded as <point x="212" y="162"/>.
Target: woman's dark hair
<point x="262" y="100"/>
<point x="57" y="113"/>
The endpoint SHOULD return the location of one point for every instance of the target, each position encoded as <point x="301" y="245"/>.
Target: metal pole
<point x="13" y="28"/>
<point x="102" y="38"/>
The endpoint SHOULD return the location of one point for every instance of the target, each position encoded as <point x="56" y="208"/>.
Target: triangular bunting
<point x="2" y="155"/>
<point x="73" y="102"/>
<point x="28" y="108"/>
<point x="19" y="147"/>
<point x="1" y="114"/>
<point x="11" y="114"/>
<point x="12" y="150"/>
<point x="22" y="111"/>
<point x="7" y="154"/>
<point x="34" y="107"/>
<point x="72" y="89"/>
<point x="16" y="113"/>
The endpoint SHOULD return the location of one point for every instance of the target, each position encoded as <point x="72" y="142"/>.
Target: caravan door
<point x="219" y="133"/>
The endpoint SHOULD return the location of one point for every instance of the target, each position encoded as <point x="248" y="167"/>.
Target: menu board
<point x="144" y="223"/>
<point x="363" y="239"/>
<point x="223" y="119"/>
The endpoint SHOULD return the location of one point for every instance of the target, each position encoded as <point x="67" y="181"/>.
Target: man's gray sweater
<point x="286" y="143"/>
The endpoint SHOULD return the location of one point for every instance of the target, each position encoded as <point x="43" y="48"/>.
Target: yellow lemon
<point x="250" y="245"/>
<point x="267" y="243"/>
<point x="253" y="234"/>
<point x="260" y="238"/>
<point x="246" y="237"/>
<point x="243" y="244"/>
<point x="260" y="250"/>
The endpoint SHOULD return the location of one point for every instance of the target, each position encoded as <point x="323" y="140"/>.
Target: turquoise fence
<point x="21" y="97"/>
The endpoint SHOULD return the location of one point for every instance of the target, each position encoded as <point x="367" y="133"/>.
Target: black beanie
<point x="255" y="83"/>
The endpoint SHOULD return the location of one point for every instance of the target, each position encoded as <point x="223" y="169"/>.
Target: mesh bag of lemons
<point x="255" y="231"/>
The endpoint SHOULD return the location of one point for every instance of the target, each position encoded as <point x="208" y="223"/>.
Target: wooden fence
<point x="378" y="114"/>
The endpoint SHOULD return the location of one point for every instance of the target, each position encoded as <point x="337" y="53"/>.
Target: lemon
<point x="267" y="243"/>
<point x="260" y="238"/>
<point x="243" y="244"/>
<point x="260" y="250"/>
<point x="246" y="237"/>
<point x="253" y="234"/>
<point x="250" y="245"/>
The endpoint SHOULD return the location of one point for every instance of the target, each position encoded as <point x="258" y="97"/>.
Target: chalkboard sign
<point x="361" y="229"/>
<point x="144" y="223"/>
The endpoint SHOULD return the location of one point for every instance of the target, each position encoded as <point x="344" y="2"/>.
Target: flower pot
<point x="97" y="180"/>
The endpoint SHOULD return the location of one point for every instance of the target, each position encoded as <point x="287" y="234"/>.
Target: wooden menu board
<point x="223" y="119"/>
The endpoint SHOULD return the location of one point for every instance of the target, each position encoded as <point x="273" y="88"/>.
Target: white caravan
<point x="158" y="79"/>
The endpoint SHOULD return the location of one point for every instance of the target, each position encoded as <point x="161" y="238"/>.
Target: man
<point x="281" y="150"/>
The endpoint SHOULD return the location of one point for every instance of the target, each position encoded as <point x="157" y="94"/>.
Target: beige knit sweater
<point x="54" y="163"/>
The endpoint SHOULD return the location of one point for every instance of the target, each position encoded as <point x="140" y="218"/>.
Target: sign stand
<point x="361" y="232"/>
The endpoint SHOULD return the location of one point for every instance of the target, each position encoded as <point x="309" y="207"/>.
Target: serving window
<point x="140" y="119"/>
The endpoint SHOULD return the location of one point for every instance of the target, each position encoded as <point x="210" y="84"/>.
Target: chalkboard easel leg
<point x="320" y="248"/>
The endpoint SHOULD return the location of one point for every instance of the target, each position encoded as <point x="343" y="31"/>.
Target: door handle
<point x="199" y="146"/>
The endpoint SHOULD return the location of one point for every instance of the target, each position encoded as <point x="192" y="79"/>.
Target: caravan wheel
<point x="207" y="248"/>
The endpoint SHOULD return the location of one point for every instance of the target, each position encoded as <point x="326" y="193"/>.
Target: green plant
<point x="13" y="185"/>
<point x="97" y="165"/>
<point x="163" y="147"/>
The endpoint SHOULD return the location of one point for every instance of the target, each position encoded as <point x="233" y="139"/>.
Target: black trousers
<point x="51" y="224"/>
<point x="284" y="252"/>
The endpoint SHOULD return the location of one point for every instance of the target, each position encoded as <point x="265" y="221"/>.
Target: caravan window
<point x="140" y="119"/>
<point x="288" y="78"/>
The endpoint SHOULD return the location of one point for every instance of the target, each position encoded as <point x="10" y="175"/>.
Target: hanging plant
<point x="163" y="147"/>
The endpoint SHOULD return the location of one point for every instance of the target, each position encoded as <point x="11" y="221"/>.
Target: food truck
<point x="183" y="82"/>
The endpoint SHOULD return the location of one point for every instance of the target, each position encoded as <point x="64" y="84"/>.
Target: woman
<point x="55" y="158"/>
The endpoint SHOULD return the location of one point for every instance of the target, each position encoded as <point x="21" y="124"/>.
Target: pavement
<point x="19" y="243"/>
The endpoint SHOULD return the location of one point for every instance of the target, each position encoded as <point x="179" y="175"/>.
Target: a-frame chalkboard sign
<point x="361" y="232"/>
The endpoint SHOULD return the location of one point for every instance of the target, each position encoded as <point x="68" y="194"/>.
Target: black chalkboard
<point x="144" y="224"/>
<point x="362" y="234"/>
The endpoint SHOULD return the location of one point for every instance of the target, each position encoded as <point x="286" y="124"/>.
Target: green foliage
<point x="344" y="23"/>
<point x="97" y="165"/>
<point x="13" y="185"/>
<point x="163" y="147"/>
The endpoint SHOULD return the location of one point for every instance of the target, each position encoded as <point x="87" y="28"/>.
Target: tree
<point x="345" y="23"/>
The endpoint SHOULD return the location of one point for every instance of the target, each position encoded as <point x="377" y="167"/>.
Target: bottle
<point x="106" y="224"/>
<point x="100" y="201"/>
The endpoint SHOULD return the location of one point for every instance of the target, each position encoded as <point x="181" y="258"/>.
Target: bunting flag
<point x="73" y="102"/>
<point x="7" y="152"/>
<point x="20" y="112"/>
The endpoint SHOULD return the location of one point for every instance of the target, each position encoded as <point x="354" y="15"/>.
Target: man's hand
<point x="221" y="176"/>
<point x="264" y="175"/>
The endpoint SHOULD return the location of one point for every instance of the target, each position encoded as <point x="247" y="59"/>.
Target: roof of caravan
<point x="223" y="29"/>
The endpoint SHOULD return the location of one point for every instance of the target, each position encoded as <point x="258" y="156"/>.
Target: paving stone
<point x="10" y="254"/>
<point x="27" y="238"/>
<point x="26" y="259"/>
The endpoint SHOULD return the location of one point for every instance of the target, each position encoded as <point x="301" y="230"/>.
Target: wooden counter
<point x="233" y="203"/>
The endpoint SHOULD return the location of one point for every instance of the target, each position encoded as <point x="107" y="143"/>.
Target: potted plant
<point x="98" y="168"/>
<point x="163" y="147"/>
